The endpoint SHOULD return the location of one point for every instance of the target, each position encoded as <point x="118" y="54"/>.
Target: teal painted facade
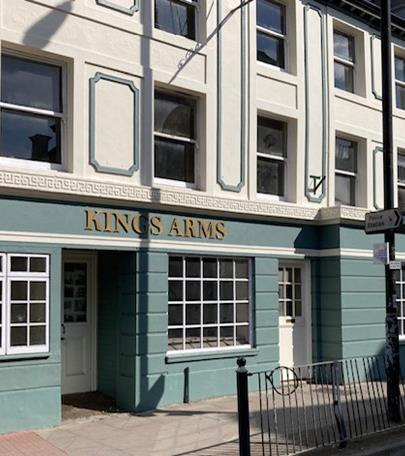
<point x="347" y="306"/>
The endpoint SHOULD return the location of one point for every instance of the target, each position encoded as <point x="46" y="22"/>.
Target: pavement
<point x="205" y="428"/>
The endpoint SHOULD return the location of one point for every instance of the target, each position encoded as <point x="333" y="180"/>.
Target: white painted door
<point x="78" y="324"/>
<point x="294" y="315"/>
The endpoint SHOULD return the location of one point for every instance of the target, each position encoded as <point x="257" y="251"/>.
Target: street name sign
<point x="382" y="221"/>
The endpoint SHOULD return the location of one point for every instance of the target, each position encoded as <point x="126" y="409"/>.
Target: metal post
<point x="391" y="322"/>
<point x="243" y="407"/>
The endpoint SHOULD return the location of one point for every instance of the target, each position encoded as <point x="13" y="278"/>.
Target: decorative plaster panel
<point x="129" y="7"/>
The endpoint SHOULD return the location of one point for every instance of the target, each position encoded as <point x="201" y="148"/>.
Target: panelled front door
<point x="78" y="324"/>
<point x="294" y="315"/>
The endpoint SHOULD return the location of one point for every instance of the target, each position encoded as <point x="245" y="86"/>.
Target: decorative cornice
<point x="64" y="184"/>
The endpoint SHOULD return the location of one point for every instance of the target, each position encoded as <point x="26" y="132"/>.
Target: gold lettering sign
<point x="179" y="227"/>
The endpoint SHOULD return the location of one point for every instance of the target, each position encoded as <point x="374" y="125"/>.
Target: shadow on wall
<point x="41" y="33"/>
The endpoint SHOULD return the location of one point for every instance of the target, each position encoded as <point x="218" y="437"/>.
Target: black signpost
<point x="388" y="221"/>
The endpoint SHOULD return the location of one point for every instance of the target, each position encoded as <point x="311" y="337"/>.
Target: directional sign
<point x="381" y="221"/>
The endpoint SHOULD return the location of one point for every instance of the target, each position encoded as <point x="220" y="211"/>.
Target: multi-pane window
<point x="271" y="156"/>
<point x="400" y="291"/>
<point x="31" y="110"/>
<point x="344" y="56"/>
<point x="177" y="17"/>
<point x="401" y="179"/>
<point x="290" y="291"/>
<point x="24" y="303"/>
<point x="345" y="172"/>
<point x="400" y="81"/>
<point x="271" y="32"/>
<point x="209" y="303"/>
<point x="175" y="138"/>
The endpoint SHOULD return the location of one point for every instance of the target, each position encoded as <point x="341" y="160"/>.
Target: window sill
<point x="24" y="357"/>
<point x="204" y="356"/>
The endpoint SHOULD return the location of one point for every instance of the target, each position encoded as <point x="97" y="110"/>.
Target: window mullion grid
<point x="185" y="139"/>
<point x="201" y="305"/>
<point x="272" y="157"/>
<point x="218" y="305"/>
<point x="293" y="292"/>
<point x="345" y="173"/>
<point x="270" y="32"/>
<point x="234" y="302"/>
<point x="342" y="61"/>
<point x="184" y="301"/>
<point x="29" y="109"/>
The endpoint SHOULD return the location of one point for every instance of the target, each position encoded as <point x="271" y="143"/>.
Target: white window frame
<point x="218" y="301"/>
<point x="293" y="300"/>
<point x="275" y="34"/>
<point x="401" y="304"/>
<point x="283" y="159"/>
<point x="8" y="277"/>
<point x="398" y="82"/>
<point x="196" y="5"/>
<point x="340" y="172"/>
<point x="347" y="63"/>
<point x="159" y="181"/>
<point x="32" y="164"/>
<point x="400" y="184"/>
<point x="3" y="303"/>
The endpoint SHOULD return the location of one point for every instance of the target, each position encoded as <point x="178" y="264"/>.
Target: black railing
<point x="293" y="410"/>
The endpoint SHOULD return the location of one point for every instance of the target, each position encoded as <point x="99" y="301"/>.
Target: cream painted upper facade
<point x="113" y="58"/>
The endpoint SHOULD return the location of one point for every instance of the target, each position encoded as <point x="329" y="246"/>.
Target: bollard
<point x="243" y="407"/>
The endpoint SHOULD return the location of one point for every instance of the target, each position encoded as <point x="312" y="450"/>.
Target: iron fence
<point x="298" y="409"/>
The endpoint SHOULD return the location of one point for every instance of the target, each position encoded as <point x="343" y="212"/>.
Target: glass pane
<point x="298" y="308"/>
<point x="75" y="292"/>
<point x="193" y="267"/>
<point x="175" y="267"/>
<point x="226" y="313"/>
<point x="226" y="291"/>
<point x="193" y="291"/>
<point x="210" y="339"/>
<point x="401" y="167"/>
<point x="242" y="335"/>
<point x="401" y="198"/>
<point x="281" y="308"/>
<point x="30" y="137"/>
<point x="297" y="275"/>
<point x="19" y="313"/>
<point x="18" y="264"/>
<point x="226" y="269"/>
<point x="242" y="269"/>
<point x="193" y="314"/>
<point x="175" y="17"/>
<point x="242" y="291"/>
<point x="297" y="292"/>
<point x="174" y="160"/>
<point x="345" y="190"/>
<point x="37" y="264"/>
<point x="175" y="314"/>
<point x="226" y="336"/>
<point x="174" y="115"/>
<point x="344" y="78"/>
<point x="210" y="267"/>
<point x="271" y="137"/>
<point x="343" y="46"/>
<point x="37" y="335"/>
<point x="289" y="309"/>
<point x="288" y="291"/>
<point x="281" y="275"/>
<point x="210" y="313"/>
<point x="175" y="341"/>
<point x="19" y="290"/>
<point x="288" y="275"/>
<point x="193" y="338"/>
<point x="28" y="83"/>
<point x="38" y="313"/>
<point x="18" y="336"/>
<point x="271" y="15"/>
<point x="242" y="313"/>
<point x="400" y="91"/>
<point x="210" y="291"/>
<point x="270" y="176"/>
<point x="270" y="49"/>
<point x="400" y="69"/>
<point x="175" y="290"/>
<point x="346" y="155"/>
<point x="281" y="292"/>
<point x="38" y="291"/>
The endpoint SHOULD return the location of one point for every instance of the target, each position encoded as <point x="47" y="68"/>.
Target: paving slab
<point x="27" y="444"/>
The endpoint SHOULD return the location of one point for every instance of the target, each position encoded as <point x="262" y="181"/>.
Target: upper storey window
<point x="344" y="56"/>
<point x="31" y="110"/>
<point x="400" y="81"/>
<point x="271" y="32"/>
<point x="177" y="17"/>
<point x="175" y="139"/>
<point x="271" y="156"/>
<point x="345" y="172"/>
<point x="401" y="179"/>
